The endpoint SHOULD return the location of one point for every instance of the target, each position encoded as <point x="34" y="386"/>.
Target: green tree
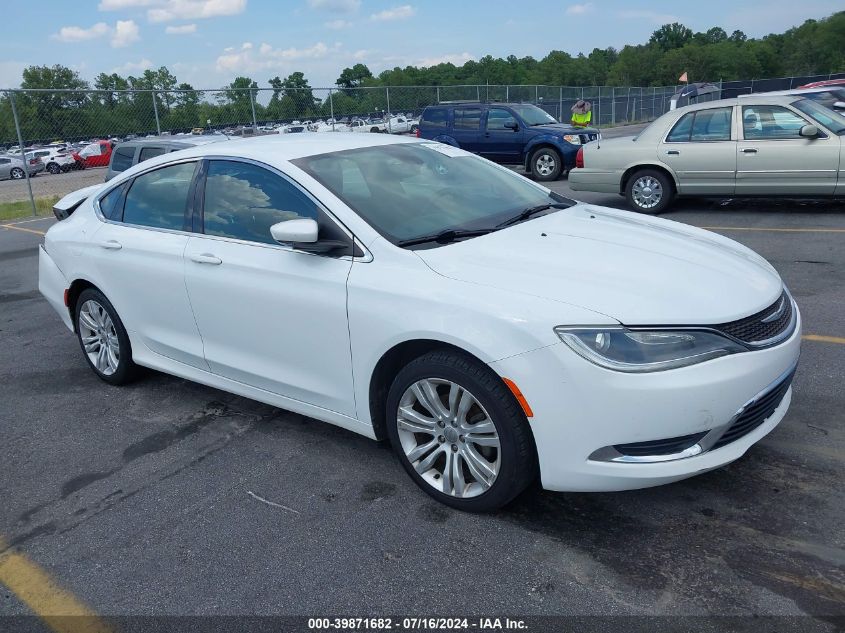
<point x="671" y="36"/>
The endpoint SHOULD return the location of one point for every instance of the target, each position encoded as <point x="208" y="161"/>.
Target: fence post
<point x="331" y="107"/>
<point x="613" y="105"/>
<point x="23" y="151"/>
<point x="507" y="93"/>
<point x="438" y="94"/>
<point x="560" y="104"/>
<point x="252" y="105"/>
<point x="387" y="99"/>
<point x="155" y="109"/>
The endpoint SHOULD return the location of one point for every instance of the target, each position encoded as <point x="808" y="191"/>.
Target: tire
<point x="493" y="464"/>
<point x="16" y="173"/>
<point x="95" y="318"/>
<point x="546" y="164"/>
<point x="375" y="130"/>
<point x="414" y="129"/>
<point x="649" y="191"/>
<point x="53" y="168"/>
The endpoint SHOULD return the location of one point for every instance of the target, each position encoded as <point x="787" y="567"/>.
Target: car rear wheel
<point x="459" y="432"/>
<point x="649" y="191"/>
<point x="546" y="164"/>
<point x="53" y="168"/>
<point x="16" y="173"/>
<point x="103" y="338"/>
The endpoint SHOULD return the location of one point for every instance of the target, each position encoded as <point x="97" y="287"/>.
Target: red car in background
<point x="824" y="84"/>
<point x="97" y="154"/>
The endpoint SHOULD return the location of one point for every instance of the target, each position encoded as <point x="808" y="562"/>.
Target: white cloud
<point x="11" y="73"/>
<point x="78" y="34"/>
<point x="337" y="25"/>
<point x="458" y="59"/>
<point x="396" y="13"/>
<point x="133" y="67"/>
<point x="246" y="59"/>
<point x="194" y="9"/>
<point x="335" y="6"/>
<point x="580" y="9"/>
<point x="185" y="29"/>
<point x="652" y="16"/>
<point x="362" y="54"/>
<point x="125" y="33"/>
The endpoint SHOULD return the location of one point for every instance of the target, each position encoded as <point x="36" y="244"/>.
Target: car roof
<point x="794" y="91"/>
<point x="752" y="99"/>
<point x="183" y="141"/>
<point x="454" y="104"/>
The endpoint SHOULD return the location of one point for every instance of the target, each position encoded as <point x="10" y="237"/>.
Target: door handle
<point x="206" y="258"/>
<point x="112" y="245"/>
<point x="673" y="152"/>
<point x="749" y="150"/>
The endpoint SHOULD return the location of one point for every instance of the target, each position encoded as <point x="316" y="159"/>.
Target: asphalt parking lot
<point x="167" y="497"/>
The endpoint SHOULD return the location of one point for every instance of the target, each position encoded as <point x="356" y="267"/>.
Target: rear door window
<point x="436" y="117"/>
<point x="122" y="156"/>
<point x="150" y="152"/>
<point x="159" y="198"/>
<point x="468" y="118"/>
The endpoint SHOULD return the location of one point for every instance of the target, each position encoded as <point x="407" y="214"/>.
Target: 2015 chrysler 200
<point x="491" y="329"/>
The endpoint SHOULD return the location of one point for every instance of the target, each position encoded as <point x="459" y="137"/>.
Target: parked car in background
<point x="508" y="133"/>
<point x="399" y="125"/>
<point x="130" y="153"/>
<point x="55" y="160"/>
<point x="95" y="154"/>
<point x="12" y="167"/>
<point x="757" y="145"/>
<point x="832" y="96"/>
<point x="825" y="83"/>
<point x="368" y="125"/>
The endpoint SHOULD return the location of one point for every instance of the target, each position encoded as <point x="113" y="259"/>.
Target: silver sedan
<point x="755" y="146"/>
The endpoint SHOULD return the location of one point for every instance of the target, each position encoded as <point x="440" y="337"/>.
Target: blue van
<point x="508" y="133"/>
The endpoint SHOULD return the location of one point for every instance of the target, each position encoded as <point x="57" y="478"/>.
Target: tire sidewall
<point x="125" y="367"/>
<point x="512" y="470"/>
<point x="558" y="164"/>
<point x="668" y="191"/>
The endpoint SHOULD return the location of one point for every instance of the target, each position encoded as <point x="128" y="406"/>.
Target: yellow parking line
<point x="58" y="608"/>
<point x="824" y="339"/>
<point x="10" y="227"/>
<point x="775" y="230"/>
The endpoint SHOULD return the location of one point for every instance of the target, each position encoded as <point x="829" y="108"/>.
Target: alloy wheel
<point x="99" y="337"/>
<point x="647" y="192"/>
<point x="448" y="437"/>
<point x="545" y="164"/>
<point x="16" y="173"/>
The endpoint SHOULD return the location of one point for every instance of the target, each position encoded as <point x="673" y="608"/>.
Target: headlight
<point x="572" y="138"/>
<point x="639" y="351"/>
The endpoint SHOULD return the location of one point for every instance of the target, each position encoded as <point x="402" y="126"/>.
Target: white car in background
<point x="493" y="330"/>
<point x="55" y="160"/>
<point x="363" y="126"/>
<point x="400" y="125"/>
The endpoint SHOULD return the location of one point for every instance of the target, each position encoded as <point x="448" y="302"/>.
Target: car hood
<point x="635" y="269"/>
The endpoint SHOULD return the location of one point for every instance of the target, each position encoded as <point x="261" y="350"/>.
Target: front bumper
<point x="580" y="409"/>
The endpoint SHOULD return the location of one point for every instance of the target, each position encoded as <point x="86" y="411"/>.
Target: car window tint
<point x="771" y="122"/>
<point x="5" y="161"/>
<point x="498" y="119"/>
<point x="109" y="206"/>
<point x="243" y="201"/>
<point x="712" y="125"/>
<point x="149" y="152"/>
<point x="435" y="117"/>
<point x="158" y="198"/>
<point x="121" y="159"/>
<point x="468" y="118"/>
<point x="680" y="133"/>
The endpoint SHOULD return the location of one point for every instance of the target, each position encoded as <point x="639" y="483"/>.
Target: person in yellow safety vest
<point x="582" y="113"/>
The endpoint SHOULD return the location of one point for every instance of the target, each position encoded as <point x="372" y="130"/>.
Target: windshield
<point x="532" y="115"/>
<point x="410" y="190"/>
<point x="833" y="121"/>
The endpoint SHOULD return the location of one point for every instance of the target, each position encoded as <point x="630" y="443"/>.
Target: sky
<point x="209" y="42"/>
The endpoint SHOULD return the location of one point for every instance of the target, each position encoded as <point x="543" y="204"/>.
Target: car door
<point x="503" y="137"/>
<point x="270" y="316"/>
<point x="138" y="255"/>
<point x="466" y="128"/>
<point x="774" y="159"/>
<point x="701" y="150"/>
<point x="5" y="167"/>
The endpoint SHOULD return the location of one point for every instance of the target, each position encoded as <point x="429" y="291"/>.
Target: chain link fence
<point x="68" y="135"/>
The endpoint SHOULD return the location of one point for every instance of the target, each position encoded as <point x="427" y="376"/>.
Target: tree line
<point x="814" y="47"/>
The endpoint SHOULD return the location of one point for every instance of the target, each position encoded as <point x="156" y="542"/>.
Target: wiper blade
<point x="444" y="237"/>
<point x="527" y="213"/>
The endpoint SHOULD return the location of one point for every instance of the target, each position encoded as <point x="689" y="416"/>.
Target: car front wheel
<point x="16" y="173"/>
<point x="649" y="191"/>
<point x="459" y="432"/>
<point x="103" y="338"/>
<point x="546" y="164"/>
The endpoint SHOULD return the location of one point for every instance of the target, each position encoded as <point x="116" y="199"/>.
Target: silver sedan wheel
<point x="99" y="337"/>
<point x="545" y="164"/>
<point x="448" y="437"/>
<point x="647" y="192"/>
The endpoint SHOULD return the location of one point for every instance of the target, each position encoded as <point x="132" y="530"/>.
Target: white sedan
<point x="491" y="329"/>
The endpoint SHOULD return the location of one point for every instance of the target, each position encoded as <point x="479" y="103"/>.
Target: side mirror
<point x="511" y="125"/>
<point x="839" y="105"/>
<point x="303" y="230"/>
<point x="809" y="131"/>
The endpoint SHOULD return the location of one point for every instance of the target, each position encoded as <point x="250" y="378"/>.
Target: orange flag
<point x="683" y="77"/>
